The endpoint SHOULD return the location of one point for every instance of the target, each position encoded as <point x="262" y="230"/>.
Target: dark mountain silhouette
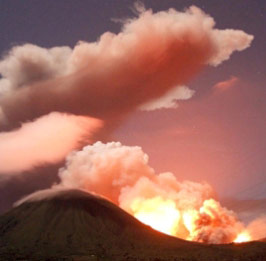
<point x="76" y="225"/>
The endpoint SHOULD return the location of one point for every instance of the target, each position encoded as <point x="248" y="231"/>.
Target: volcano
<point x="76" y="225"/>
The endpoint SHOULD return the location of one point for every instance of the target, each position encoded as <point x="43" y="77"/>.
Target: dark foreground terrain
<point x="75" y="225"/>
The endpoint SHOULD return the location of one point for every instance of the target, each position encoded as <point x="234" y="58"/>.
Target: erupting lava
<point x="160" y="214"/>
<point x="183" y="209"/>
<point x="243" y="237"/>
<point x="192" y="224"/>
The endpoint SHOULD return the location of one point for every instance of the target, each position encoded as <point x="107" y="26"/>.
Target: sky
<point x="217" y="136"/>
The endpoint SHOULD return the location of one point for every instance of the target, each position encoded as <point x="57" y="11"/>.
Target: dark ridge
<point x="76" y="225"/>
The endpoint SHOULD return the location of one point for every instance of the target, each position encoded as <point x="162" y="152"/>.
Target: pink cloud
<point x="48" y="139"/>
<point x="224" y="85"/>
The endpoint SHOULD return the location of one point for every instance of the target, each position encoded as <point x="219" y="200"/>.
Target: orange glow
<point x="210" y="207"/>
<point x="189" y="218"/>
<point x="190" y="224"/>
<point x="160" y="214"/>
<point x="242" y="237"/>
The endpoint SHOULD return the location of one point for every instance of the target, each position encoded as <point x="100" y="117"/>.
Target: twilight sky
<point x="217" y="136"/>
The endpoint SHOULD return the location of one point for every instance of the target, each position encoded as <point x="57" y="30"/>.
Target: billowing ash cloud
<point x="46" y="140"/>
<point x="122" y="174"/>
<point x="169" y="99"/>
<point x="140" y="66"/>
<point x="152" y="54"/>
<point x="26" y="64"/>
<point x="185" y="209"/>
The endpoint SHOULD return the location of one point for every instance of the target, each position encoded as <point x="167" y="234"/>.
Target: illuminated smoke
<point x="152" y="54"/>
<point x="46" y="140"/>
<point x="256" y="229"/>
<point x="212" y="223"/>
<point x="184" y="209"/>
<point x="122" y="174"/>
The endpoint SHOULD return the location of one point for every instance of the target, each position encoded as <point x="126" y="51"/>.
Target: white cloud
<point x="169" y="99"/>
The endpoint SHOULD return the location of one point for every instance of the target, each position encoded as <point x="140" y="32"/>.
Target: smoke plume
<point x="26" y="64"/>
<point x="257" y="228"/>
<point x="122" y="174"/>
<point x="152" y="54"/>
<point x="184" y="209"/>
<point x="139" y="67"/>
<point x="46" y="140"/>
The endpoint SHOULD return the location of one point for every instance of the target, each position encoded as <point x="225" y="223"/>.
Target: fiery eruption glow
<point x="243" y="237"/>
<point x="160" y="214"/>
<point x="183" y="209"/>
<point x="164" y="216"/>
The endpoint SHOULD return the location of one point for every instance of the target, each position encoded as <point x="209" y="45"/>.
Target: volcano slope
<point x="76" y="225"/>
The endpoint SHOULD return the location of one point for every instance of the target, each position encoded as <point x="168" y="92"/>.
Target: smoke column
<point x="184" y="209"/>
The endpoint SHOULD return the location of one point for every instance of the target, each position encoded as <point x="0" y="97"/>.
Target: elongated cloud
<point x="169" y="99"/>
<point x="106" y="79"/>
<point x="46" y="140"/>
<point x="224" y="85"/>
